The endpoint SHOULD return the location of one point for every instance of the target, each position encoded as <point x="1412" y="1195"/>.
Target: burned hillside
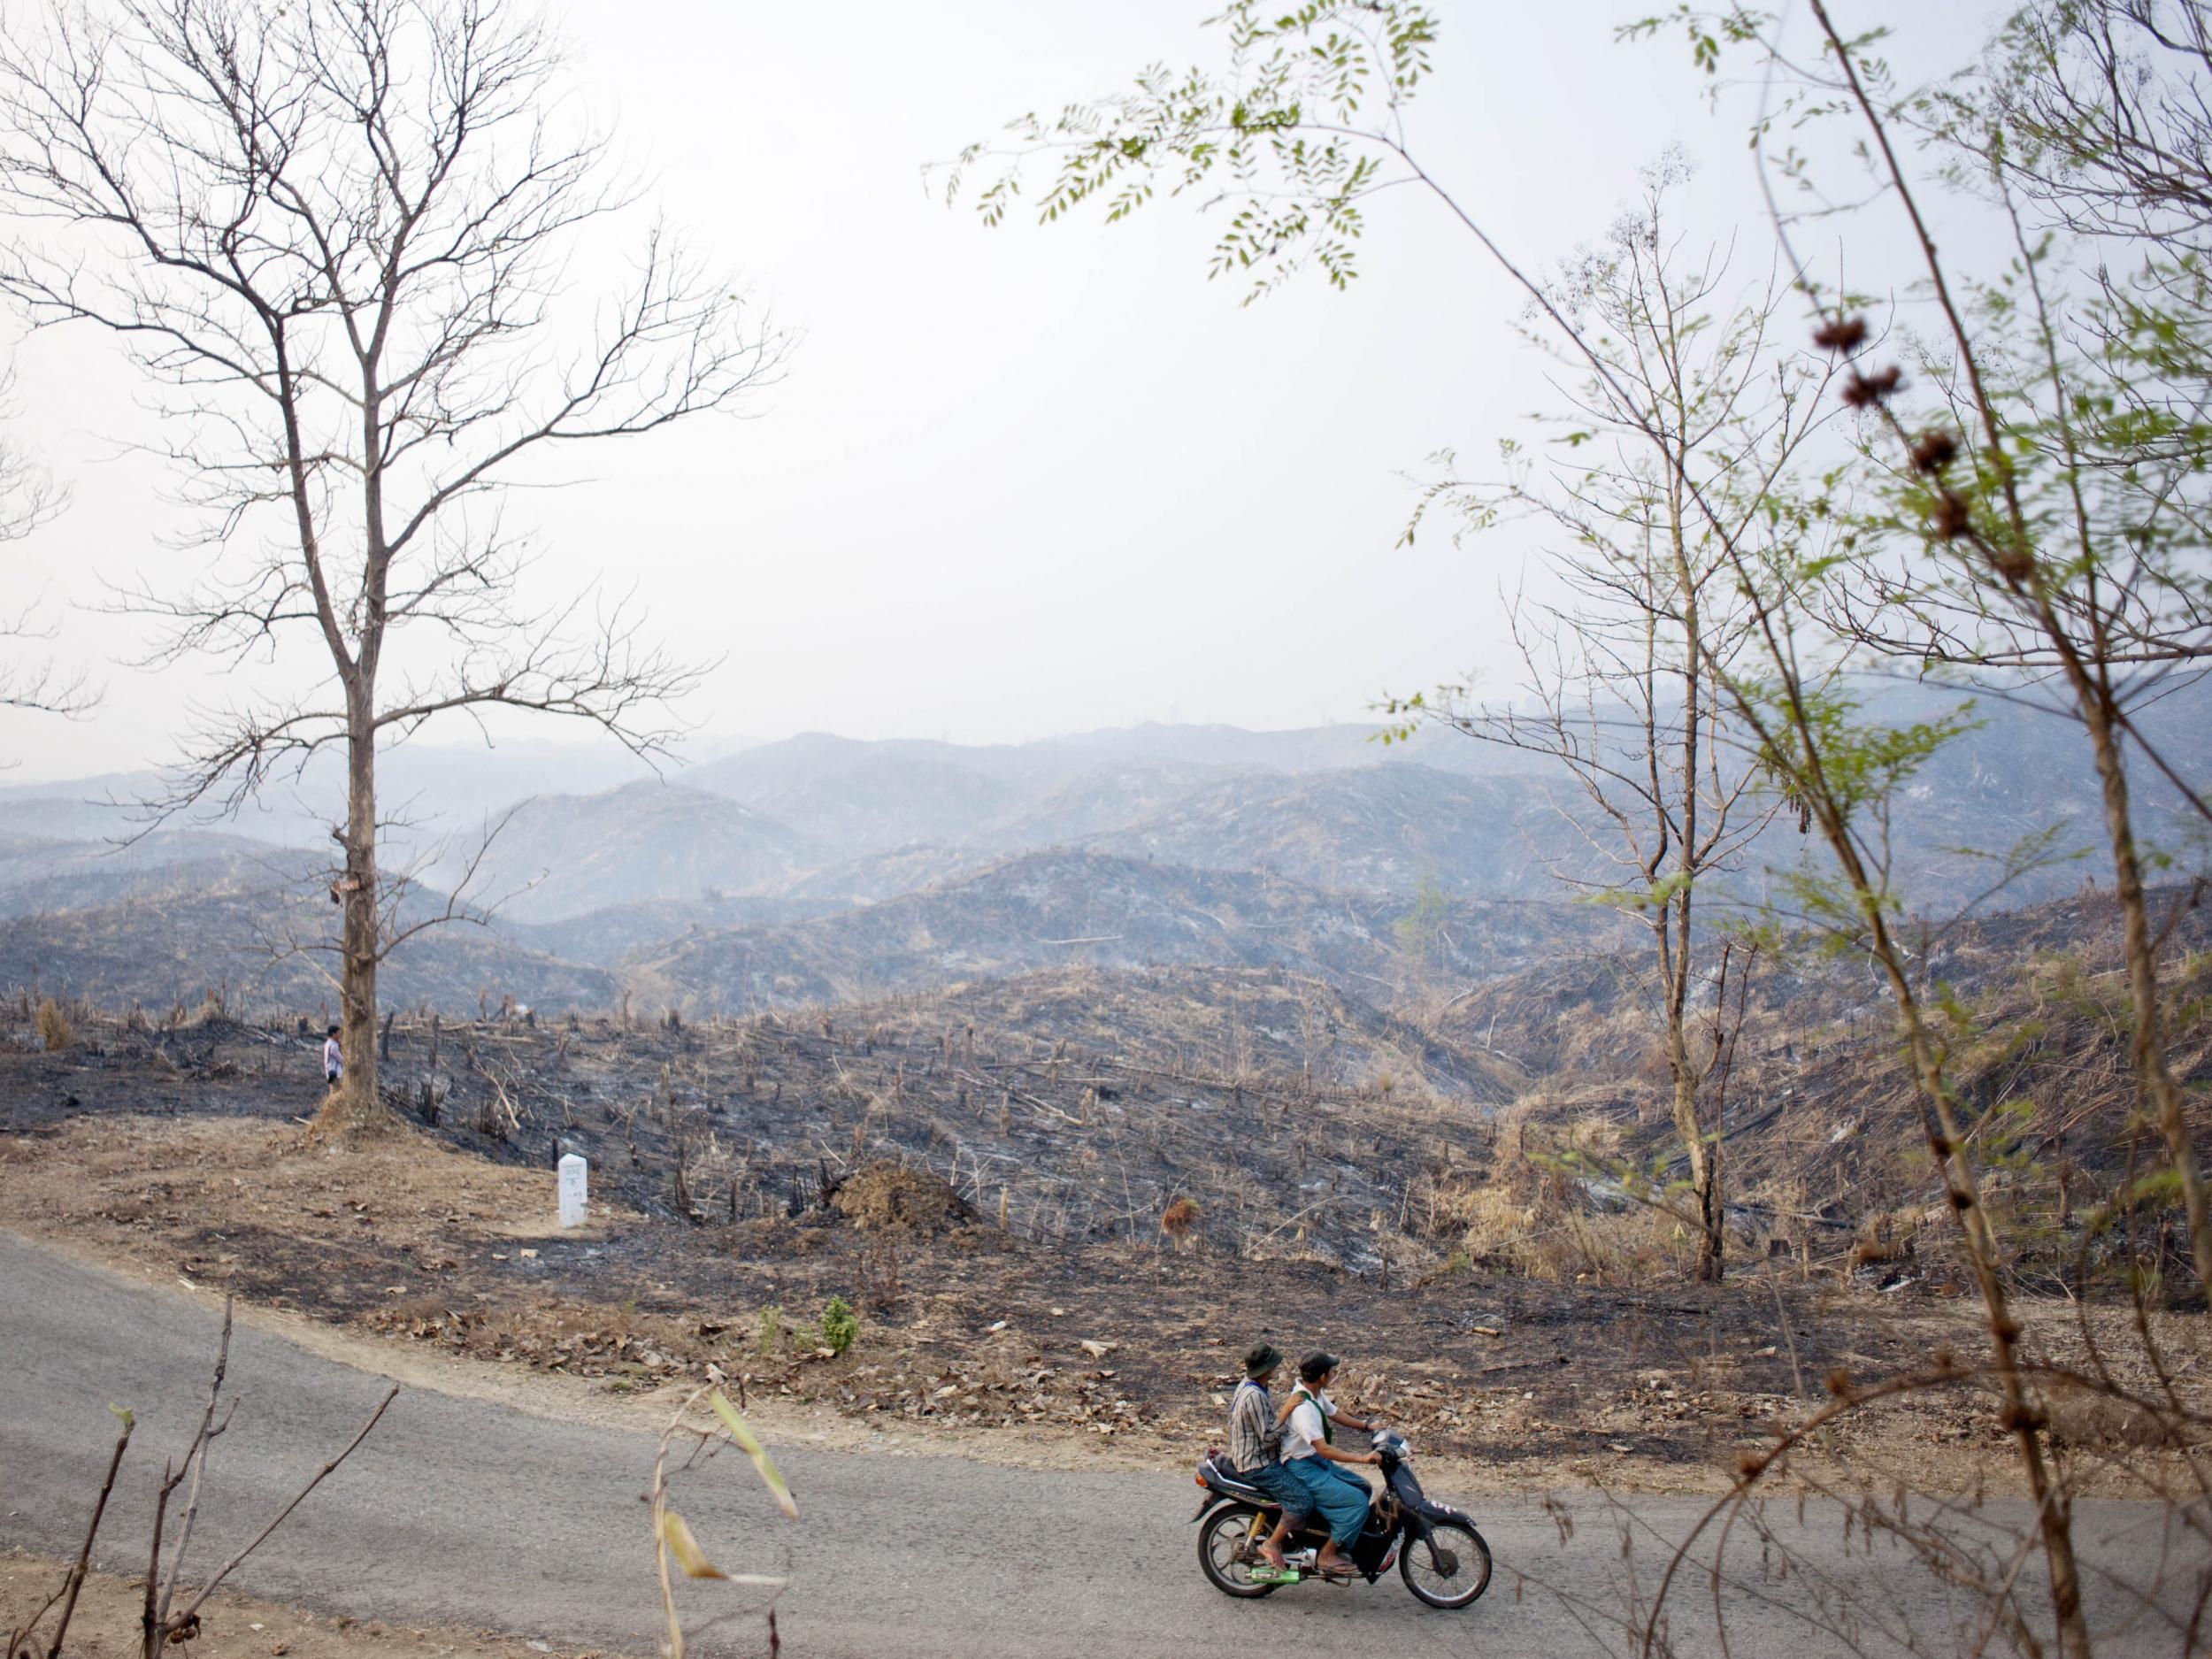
<point x="1057" y="908"/>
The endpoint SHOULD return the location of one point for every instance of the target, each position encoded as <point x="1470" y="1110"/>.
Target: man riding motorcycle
<point x="1283" y="1470"/>
<point x="1312" y="1461"/>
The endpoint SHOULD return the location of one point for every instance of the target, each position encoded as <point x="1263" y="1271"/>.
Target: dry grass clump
<point x="1498" y="1225"/>
<point x="1533" y="1218"/>
<point x="54" y="1029"/>
<point x="888" y="1194"/>
<point x="2111" y="1425"/>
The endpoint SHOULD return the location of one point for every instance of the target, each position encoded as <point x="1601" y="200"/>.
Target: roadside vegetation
<point x="1769" y="1160"/>
<point x="1992" y="483"/>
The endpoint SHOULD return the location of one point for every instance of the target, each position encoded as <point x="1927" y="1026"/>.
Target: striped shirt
<point x="1255" y="1439"/>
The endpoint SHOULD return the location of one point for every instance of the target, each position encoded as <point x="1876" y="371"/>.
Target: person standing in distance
<point x="334" y="1059"/>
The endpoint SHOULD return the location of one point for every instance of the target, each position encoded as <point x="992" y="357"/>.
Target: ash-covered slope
<point x="1378" y="829"/>
<point x="871" y="878"/>
<point x="40" y="876"/>
<point x="1109" y="796"/>
<point x="1265" y="1027"/>
<point x="1065" y="908"/>
<point x="257" y="935"/>
<point x="602" y="938"/>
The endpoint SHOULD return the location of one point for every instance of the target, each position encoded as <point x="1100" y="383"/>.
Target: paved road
<point x="465" y="1512"/>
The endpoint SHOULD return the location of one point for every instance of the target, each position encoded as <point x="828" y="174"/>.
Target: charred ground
<point x="1060" y="1201"/>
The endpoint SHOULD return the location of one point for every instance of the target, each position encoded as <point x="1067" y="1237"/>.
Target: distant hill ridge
<point x="753" y="878"/>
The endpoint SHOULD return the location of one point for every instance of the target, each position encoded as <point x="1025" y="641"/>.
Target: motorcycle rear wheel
<point x="1228" y="1547"/>
<point x="1449" y="1569"/>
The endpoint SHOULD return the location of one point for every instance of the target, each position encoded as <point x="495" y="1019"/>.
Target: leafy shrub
<point x="771" y="1329"/>
<point x="839" y="1324"/>
<point x="53" y="1027"/>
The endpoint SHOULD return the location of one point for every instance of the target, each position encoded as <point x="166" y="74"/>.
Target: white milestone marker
<point x="574" y="1175"/>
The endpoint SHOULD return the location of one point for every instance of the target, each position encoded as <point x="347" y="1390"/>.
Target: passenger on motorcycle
<point x="1256" y="1440"/>
<point x="1311" y="1460"/>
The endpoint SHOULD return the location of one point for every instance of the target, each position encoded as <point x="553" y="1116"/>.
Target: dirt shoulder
<point x="238" y="1626"/>
<point x="438" y="1267"/>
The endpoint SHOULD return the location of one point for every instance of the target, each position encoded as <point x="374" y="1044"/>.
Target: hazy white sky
<point x="1023" y="480"/>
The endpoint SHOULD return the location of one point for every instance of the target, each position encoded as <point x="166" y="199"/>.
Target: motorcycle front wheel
<point x="1229" y="1548"/>
<point x="1450" y="1568"/>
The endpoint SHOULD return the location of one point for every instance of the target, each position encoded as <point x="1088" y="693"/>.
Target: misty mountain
<point x="2019" y="771"/>
<point x="430" y="793"/>
<point x="1293" y="749"/>
<point x="1096" y="800"/>
<point x="1381" y="829"/>
<point x="1064" y="909"/>
<point x="863" y="798"/>
<point x="84" y="810"/>
<point x="39" y="876"/>
<point x="553" y="856"/>
<point x="602" y="938"/>
<point x="858" y="866"/>
<point x="258" y="936"/>
<point x="1334" y="808"/>
<point x="858" y="798"/>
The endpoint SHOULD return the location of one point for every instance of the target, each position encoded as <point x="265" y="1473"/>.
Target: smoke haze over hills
<point x="821" y="868"/>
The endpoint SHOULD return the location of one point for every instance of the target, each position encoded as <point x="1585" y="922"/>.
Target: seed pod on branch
<point x="1840" y="333"/>
<point x="1932" y="451"/>
<point x="1864" y="391"/>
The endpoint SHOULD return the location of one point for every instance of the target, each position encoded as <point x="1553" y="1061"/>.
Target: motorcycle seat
<point x="1229" y="1480"/>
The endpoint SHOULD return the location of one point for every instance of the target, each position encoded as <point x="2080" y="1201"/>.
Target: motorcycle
<point x="1436" y="1548"/>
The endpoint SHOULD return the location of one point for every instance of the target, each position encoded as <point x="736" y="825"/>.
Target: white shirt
<point x="333" y="1057"/>
<point x="1306" y="1427"/>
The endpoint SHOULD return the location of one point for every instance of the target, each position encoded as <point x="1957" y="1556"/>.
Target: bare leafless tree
<point x="28" y="499"/>
<point x="336" y="234"/>
<point x="1626" y="671"/>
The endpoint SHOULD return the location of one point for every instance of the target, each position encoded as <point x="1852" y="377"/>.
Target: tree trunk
<point x="1712" y="1249"/>
<point x="1712" y="1242"/>
<point x="2160" y="1093"/>
<point x="2021" y="1415"/>
<point x="1704" y="1159"/>
<point x="357" y="1107"/>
